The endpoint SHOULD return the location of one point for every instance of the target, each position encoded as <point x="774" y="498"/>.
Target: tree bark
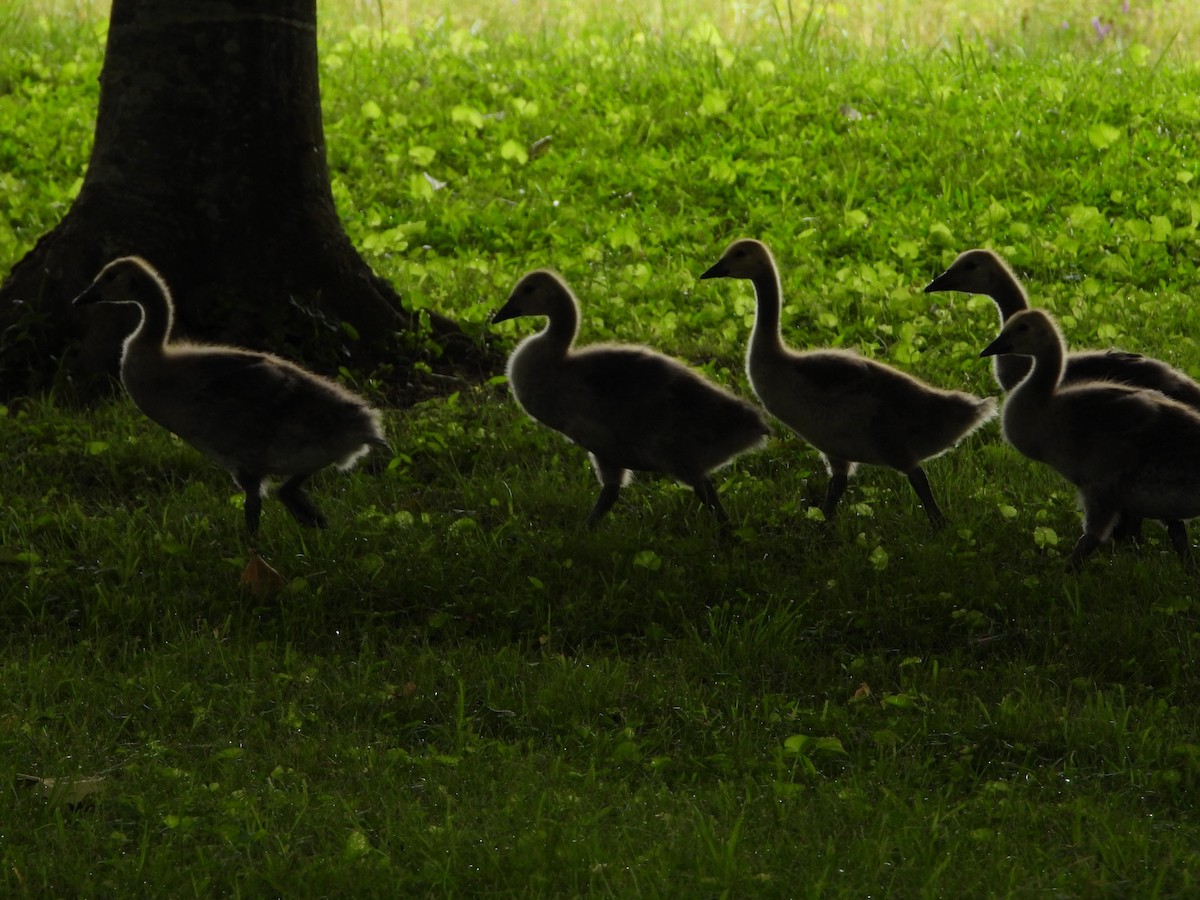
<point x="209" y="161"/>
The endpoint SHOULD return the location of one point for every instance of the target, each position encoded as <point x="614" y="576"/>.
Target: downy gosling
<point x="851" y="409"/>
<point x="1128" y="450"/>
<point x="983" y="271"/>
<point x="254" y="413"/>
<point x="631" y="408"/>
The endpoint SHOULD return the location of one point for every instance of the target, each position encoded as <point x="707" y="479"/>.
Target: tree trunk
<point x="209" y="161"/>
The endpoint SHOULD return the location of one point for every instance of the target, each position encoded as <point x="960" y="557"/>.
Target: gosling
<point x="631" y="408"/>
<point x="1128" y="450"/>
<point x="984" y="272"/>
<point x="852" y="410"/>
<point x="253" y="413"/>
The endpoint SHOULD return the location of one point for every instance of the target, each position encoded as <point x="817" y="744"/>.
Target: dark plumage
<point x="853" y="410"/>
<point x="982" y="271"/>
<point x="631" y="408"/>
<point x="1127" y="449"/>
<point x="254" y="413"/>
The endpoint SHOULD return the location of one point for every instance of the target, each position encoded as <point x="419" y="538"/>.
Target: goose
<point x="255" y="414"/>
<point x="630" y="407"/>
<point x="983" y="271"/>
<point x="851" y="409"/>
<point x="1127" y="449"/>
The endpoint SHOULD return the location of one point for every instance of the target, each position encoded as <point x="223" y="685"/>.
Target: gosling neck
<point x="563" y="324"/>
<point x="1010" y="299"/>
<point x="150" y="336"/>
<point x="1008" y="295"/>
<point x="1043" y="380"/>
<point x="766" y="337"/>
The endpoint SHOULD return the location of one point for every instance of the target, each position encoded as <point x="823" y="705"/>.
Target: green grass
<point x="461" y="691"/>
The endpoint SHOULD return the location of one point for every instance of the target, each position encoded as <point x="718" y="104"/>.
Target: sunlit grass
<point x="853" y="23"/>
<point x="1102" y="25"/>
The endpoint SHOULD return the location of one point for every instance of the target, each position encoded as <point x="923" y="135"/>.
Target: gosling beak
<point x="938" y="284"/>
<point x="997" y="347"/>
<point x="90" y="295"/>
<point x="717" y="270"/>
<point x="508" y="311"/>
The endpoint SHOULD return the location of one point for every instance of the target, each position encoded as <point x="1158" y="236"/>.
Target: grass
<point x="462" y="692"/>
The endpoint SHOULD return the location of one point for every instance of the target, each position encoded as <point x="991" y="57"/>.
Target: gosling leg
<point x="1098" y="521"/>
<point x="299" y="504"/>
<point x="839" y="477"/>
<point x="258" y="574"/>
<point x="608" y="496"/>
<point x="251" y="485"/>
<point x="1084" y="548"/>
<point x="920" y="484"/>
<point x="1177" y="532"/>
<point x="611" y="477"/>
<point x="1128" y="528"/>
<point x="706" y="492"/>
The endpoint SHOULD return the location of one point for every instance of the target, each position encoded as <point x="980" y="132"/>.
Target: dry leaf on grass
<point x="260" y="578"/>
<point x="69" y="790"/>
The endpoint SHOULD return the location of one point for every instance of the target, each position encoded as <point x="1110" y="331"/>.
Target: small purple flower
<point x="1125" y="7"/>
<point x="1101" y="27"/>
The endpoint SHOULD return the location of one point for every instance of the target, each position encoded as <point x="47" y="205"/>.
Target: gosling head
<point x="974" y="272"/>
<point x="129" y="279"/>
<point x="1028" y="333"/>
<point x="744" y="258"/>
<point x="537" y="294"/>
